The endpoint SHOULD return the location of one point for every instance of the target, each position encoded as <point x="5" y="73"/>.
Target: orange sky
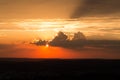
<point x="32" y="51"/>
<point x="26" y="20"/>
<point x="29" y="30"/>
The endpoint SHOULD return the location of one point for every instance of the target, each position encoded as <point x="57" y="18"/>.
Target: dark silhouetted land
<point x="59" y="69"/>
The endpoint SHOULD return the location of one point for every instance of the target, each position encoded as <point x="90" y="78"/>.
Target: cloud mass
<point x="96" y="7"/>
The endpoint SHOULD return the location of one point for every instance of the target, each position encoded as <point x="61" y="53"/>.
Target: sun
<point x="47" y="45"/>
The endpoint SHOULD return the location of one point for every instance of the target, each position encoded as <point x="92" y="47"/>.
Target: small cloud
<point x="110" y="29"/>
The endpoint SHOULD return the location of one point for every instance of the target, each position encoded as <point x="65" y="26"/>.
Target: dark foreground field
<point x="59" y="69"/>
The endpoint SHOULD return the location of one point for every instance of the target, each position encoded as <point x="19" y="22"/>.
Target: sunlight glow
<point x="47" y="45"/>
<point x="49" y="27"/>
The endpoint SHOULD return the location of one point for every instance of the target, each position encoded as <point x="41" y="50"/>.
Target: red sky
<point x="32" y="51"/>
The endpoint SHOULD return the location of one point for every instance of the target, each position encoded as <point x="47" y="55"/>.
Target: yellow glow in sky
<point x="28" y="30"/>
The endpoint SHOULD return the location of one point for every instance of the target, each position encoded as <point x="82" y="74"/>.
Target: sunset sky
<point x="27" y="20"/>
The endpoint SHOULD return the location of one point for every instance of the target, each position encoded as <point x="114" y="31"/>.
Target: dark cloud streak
<point x="96" y="7"/>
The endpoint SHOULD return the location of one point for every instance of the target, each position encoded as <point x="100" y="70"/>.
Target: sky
<point x="27" y="20"/>
<point x="32" y="51"/>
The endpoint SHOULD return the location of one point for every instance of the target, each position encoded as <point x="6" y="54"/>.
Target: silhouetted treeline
<point x="59" y="69"/>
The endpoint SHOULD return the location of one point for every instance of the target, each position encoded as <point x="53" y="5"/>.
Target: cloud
<point x="9" y="26"/>
<point x="59" y="40"/>
<point x="27" y="9"/>
<point x="110" y="29"/>
<point x="63" y="40"/>
<point x="96" y="7"/>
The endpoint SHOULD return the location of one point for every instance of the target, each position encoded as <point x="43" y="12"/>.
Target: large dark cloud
<point x="63" y="40"/>
<point x="96" y="7"/>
